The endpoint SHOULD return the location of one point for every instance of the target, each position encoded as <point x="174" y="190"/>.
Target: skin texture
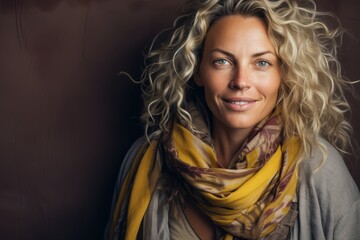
<point x="241" y="77"/>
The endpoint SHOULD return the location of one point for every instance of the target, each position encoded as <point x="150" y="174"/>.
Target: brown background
<point x="67" y="118"/>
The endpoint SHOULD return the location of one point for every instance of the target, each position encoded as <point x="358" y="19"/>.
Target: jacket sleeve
<point x="348" y="226"/>
<point x="329" y="199"/>
<point x="124" y="169"/>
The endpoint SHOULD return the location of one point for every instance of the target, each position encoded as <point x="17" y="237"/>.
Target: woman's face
<point x="239" y="71"/>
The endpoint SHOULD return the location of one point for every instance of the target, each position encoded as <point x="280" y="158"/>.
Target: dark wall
<point x="348" y="13"/>
<point x="67" y="118"/>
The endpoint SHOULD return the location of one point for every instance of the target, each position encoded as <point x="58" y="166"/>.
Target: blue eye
<point x="262" y="64"/>
<point x="221" y="62"/>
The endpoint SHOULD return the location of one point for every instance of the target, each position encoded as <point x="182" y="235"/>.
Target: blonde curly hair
<point x="311" y="100"/>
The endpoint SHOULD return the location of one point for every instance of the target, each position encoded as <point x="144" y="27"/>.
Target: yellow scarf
<point x="246" y="201"/>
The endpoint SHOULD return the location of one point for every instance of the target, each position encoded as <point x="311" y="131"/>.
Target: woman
<point x="244" y="111"/>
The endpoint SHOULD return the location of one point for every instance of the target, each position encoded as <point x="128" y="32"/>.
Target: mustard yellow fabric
<point x="247" y="201"/>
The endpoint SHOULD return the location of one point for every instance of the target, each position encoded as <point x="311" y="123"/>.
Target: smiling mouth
<point x="240" y="103"/>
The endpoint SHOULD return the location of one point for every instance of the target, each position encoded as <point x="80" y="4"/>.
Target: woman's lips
<point x="239" y="104"/>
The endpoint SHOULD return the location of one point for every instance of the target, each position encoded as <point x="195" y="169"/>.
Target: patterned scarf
<point x="247" y="200"/>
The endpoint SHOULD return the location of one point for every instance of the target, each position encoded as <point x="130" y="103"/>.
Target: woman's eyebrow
<point x="263" y="53"/>
<point x="223" y="52"/>
<point x="258" y="54"/>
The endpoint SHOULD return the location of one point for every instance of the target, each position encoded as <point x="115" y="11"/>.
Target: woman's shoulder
<point x="329" y="200"/>
<point x="328" y="179"/>
<point x="127" y="161"/>
<point x="124" y="169"/>
<point x="331" y="169"/>
<point x="130" y="156"/>
<point x="134" y="148"/>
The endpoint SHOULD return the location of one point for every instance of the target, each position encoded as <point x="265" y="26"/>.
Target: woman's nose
<point x="240" y="79"/>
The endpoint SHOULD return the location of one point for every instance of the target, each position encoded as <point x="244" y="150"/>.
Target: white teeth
<point x="240" y="103"/>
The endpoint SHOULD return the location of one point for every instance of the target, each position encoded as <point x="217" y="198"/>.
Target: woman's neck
<point x="227" y="142"/>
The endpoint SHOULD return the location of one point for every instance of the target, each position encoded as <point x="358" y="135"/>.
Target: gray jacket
<point x="328" y="198"/>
